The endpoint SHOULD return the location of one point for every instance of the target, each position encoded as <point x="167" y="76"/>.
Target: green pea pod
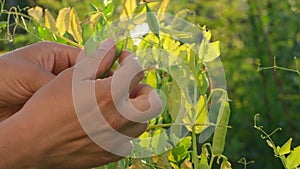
<point x="119" y="48"/>
<point x="152" y="21"/>
<point x="221" y="130"/>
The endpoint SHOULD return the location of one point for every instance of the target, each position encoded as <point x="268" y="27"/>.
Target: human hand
<point x="24" y="71"/>
<point x="58" y="138"/>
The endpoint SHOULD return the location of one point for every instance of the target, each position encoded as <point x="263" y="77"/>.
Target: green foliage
<point x="252" y="32"/>
<point x="288" y="157"/>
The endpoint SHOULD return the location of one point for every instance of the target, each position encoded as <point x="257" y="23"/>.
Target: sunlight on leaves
<point x="49" y="21"/>
<point x="74" y="26"/>
<point x="36" y="13"/>
<point x="62" y="20"/>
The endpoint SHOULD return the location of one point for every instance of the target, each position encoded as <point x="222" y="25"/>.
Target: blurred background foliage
<point x="251" y="32"/>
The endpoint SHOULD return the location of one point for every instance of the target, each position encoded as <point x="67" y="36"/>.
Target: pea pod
<point x="221" y="129"/>
<point x="152" y="21"/>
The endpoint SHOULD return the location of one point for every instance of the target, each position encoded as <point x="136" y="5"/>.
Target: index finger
<point x="54" y="57"/>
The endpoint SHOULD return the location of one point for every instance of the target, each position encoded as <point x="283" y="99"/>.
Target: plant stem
<point x="195" y="152"/>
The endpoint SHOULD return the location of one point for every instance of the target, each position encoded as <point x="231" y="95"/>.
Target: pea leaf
<point x="49" y="21"/>
<point x="129" y="8"/>
<point x="286" y="148"/>
<point x="186" y="165"/>
<point x="63" y="20"/>
<point x="225" y="164"/>
<point x="163" y="6"/>
<point x="152" y="21"/>
<point x="74" y="26"/>
<point x="161" y="161"/>
<point x="151" y="79"/>
<point x="36" y="13"/>
<point x="137" y="164"/>
<point x="209" y="51"/>
<point x="293" y="159"/>
<point x="200" y="116"/>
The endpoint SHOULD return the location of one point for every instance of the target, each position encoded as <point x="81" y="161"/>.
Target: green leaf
<point x="286" y="148"/>
<point x="44" y="33"/>
<point x="74" y="26"/>
<point x="293" y="159"/>
<point x="174" y="105"/>
<point x="179" y="153"/>
<point x="2" y="25"/>
<point x="63" y="20"/>
<point x="152" y="21"/>
<point x="109" y="10"/>
<point x="93" y="7"/>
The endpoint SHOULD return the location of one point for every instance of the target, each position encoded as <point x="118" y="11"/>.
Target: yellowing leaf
<point x="293" y="160"/>
<point x="137" y="164"/>
<point x="62" y="20"/>
<point x="199" y="118"/>
<point x="186" y="165"/>
<point x="151" y="79"/>
<point x="94" y="19"/>
<point x="163" y="7"/>
<point x="161" y="161"/>
<point x="36" y="13"/>
<point x="74" y="26"/>
<point x="225" y="165"/>
<point x="209" y="51"/>
<point x="216" y="46"/>
<point x="49" y="21"/>
<point x="286" y="148"/>
<point x="129" y="8"/>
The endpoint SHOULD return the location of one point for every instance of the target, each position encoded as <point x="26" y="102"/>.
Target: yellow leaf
<point x="163" y="7"/>
<point x="161" y="161"/>
<point x="74" y="26"/>
<point x="94" y="19"/>
<point x="49" y="21"/>
<point x="129" y="8"/>
<point x="199" y="118"/>
<point x="216" y="46"/>
<point x="36" y="13"/>
<point x="186" y="165"/>
<point x="137" y="164"/>
<point x="151" y="79"/>
<point x="62" y="20"/>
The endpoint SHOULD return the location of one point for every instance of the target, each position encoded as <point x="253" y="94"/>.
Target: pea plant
<point x="179" y="62"/>
<point x="289" y="157"/>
